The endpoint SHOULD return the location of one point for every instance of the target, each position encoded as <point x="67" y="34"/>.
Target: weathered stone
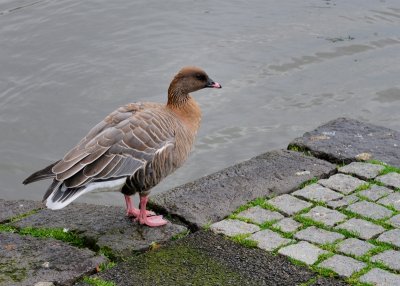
<point x="395" y="221"/>
<point x="364" y="229"/>
<point x="391" y="258"/>
<point x="391" y="200"/>
<point x="22" y="257"/>
<point x="363" y="170"/>
<point x="203" y="258"/>
<point x="391" y="236"/>
<point x="287" y="225"/>
<point x="12" y="209"/>
<point x="44" y="284"/>
<point x="348" y="138"/>
<point x="370" y="210"/>
<point x="375" y="192"/>
<point x="318" y="193"/>
<point x="342" y="265"/>
<point x="318" y="236"/>
<point x="345" y="201"/>
<point x="212" y="198"/>
<point x="324" y="215"/>
<point x="231" y="227"/>
<point x="259" y="215"/>
<point x="302" y="251"/>
<point x="379" y="277"/>
<point x="342" y="183"/>
<point x="269" y="240"/>
<point x="354" y="246"/>
<point x="289" y="204"/>
<point x="390" y="179"/>
<point x="107" y="225"/>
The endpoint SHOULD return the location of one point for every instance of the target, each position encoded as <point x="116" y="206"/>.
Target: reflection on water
<point x="286" y="67"/>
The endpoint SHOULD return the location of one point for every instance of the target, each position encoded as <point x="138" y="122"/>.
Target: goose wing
<point x="118" y="146"/>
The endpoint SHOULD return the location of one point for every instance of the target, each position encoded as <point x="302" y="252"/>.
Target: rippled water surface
<point x="285" y="66"/>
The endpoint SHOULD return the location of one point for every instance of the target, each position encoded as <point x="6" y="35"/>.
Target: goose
<point x="131" y="150"/>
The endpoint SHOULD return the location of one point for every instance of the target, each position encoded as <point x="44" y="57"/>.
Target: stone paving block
<point x="370" y="210"/>
<point x="318" y="236"/>
<point x="342" y="183"/>
<point x="395" y="221"/>
<point x="315" y="192"/>
<point x="390" y="179"/>
<point x="269" y="240"/>
<point x="259" y="215"/>
<point x="375" y="192"/>
<point x="391" y="200"/>
<point x="363" y="170"/>
<point x="345" y="201"/>
<point x="354" y="246"/>
<point x="26" y="260"/>
<point x="391" y="236"/>
<point x="289" y="204"/>
<point x="391" y="258"/>
<point x="214" y="197"/>
<point x="231" y="227"/>
<point x="343" y="139"/>
<point x="302" y="251"/>
<point x="342" y="265"/>
<point x="324" y="215"/>
<point x="364" y="229"/>
<point x="379" y="277"/>
<point x="288" y="225"/>
<point x="11" y="209"/>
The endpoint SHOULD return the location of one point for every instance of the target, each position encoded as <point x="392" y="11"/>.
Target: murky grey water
<point x="286" y="67"/>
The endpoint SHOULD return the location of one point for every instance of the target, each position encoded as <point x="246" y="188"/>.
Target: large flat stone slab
<point x="26" y="260"/>
<point x="203" y="258"/>
<point x="107" y="225"/>
<point x="212" y="198"/>
<point x="12" y="209"/>
<point x="343" y="139"/>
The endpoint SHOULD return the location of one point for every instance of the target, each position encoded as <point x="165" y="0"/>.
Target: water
<point x="285" y="66"/>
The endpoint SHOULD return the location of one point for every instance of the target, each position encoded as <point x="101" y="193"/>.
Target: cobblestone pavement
<point x="347" y="225"/>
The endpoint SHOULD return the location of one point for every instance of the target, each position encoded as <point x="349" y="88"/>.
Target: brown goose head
<point x="188" y="79"/>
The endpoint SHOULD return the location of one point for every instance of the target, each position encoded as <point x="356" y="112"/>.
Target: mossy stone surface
<point x="204" y="258"/>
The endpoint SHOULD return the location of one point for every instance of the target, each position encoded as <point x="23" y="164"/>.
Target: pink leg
<point x="132" y="211"/>
<point x="149" y="220"/>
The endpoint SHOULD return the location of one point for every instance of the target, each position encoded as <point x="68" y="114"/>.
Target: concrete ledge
<point x="347" y="140"/>
<point x="211" y="198"/>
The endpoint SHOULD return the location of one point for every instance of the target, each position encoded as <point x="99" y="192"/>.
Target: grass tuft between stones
<point x="98" y="282"/>
<point x="180" y="235"/>
<point x="242" y="239"/>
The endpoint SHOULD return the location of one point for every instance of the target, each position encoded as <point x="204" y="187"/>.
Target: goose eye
<point x="201" y="77"/>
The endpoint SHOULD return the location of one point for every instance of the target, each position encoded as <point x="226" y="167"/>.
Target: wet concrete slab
<point x="204" y="258"/>
<point x="347" y="140"/>
<point x="211" y="198"/>
<point x="106" y="226"/>
<point x="26" y="260"/>
<point x="13" y="209"/>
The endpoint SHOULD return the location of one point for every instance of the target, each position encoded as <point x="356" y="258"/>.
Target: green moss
<point x="309" y="282"/>
<point x="106" y="265"/>
<point x="11" y="272"/>
<point x="387" y="169"/>
<point x="382" y="222"/>
<point x="354" y="279"/>
<point x="98" y="282"/>
<point x="180" y="235"/>
<point x="56" y="233"/>
<point x="7" y="228"/>
<point x="257" y="202"/>
<point x="21" y="216"/>
<point x="363" y="187"/>
<point x="184" y="266"/>
<point x="107" y="252"/>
